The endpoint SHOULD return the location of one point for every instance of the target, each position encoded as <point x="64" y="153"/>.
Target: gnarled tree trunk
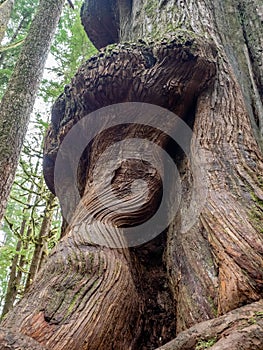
<point x="202" y="61"/>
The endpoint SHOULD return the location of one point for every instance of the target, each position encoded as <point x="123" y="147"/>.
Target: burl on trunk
<point x="100" y="291"/>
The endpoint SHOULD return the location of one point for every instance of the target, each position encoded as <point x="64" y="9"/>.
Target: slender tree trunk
<point x="11" y="290"/>
<point x="17" y="103"/>
<point x="40" y="240"/>
<point x="19" y="260"/>
<point x="5" y="14"/>
<point x="18" y="263"/>
<point x="90" y="296"/>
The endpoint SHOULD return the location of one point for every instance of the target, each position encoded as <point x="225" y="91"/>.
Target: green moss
<point x="91" y="258"/>
<point x="75" y="300"/>
<point x="72" y="304"/>
<point x="151" y="7"/>
<point x="171" y="35"/>
<point x="182" y="36"/>
<point x="252" y="320"/>
<point x="260" y="180"/>
<point x="213" y="306"/>
<point x="256" y="213"/>
<point x="205" y="344"/>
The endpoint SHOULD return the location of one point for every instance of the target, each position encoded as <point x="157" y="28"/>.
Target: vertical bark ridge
<point x="223" y="121"/>
<point x="237" y="244"/>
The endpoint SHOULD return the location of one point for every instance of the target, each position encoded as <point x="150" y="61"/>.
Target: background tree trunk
<point x="41" y="239"/>
<point x="17" y="102"/>
<point x="5" y="13"/>
<point x="91" y="297"/>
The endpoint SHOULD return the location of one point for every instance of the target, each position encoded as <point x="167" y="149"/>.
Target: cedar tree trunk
<point x="194" y="286"/>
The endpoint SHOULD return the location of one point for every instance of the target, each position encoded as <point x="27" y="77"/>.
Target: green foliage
<point x="254" y="319"/>
<point x="151" y="7"/>
<point x="26" y="208"/>
<point x="18" y="26"/>
<point x="70" y="49"/>
<point x="205" y="344"/>
<point x="30" y="198"/>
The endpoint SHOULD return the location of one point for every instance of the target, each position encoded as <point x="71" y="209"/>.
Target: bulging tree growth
<point x="199" y="283"/>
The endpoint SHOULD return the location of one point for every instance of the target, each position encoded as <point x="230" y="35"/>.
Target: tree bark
<point x="40" y="241"/>
<point x="11" y="291"/>
<point x="238" y="329"/>
<point x="5" y="14"/>
<point x="17" y="103"/>
<point x="19" y="260"/>
<point x="13" y="341"/>
<point x="91" y="296"/>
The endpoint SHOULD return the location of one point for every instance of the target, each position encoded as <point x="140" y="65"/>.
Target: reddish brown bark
<point x="95" y="297"/>
<point x="17" y="341"/>
<point x="102" y="283"/>
<point x="238" y="329"/>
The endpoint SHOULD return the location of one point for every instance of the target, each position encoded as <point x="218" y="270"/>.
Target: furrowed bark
<point x="81" y="288"/>
<point x="229" y="250"/>
<point x="47" y="321"/>
<point x="238" y="329"/>
<point x="14" y="341"/>
<point x="206" y="268"/>
<point x="43" y="235"/>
